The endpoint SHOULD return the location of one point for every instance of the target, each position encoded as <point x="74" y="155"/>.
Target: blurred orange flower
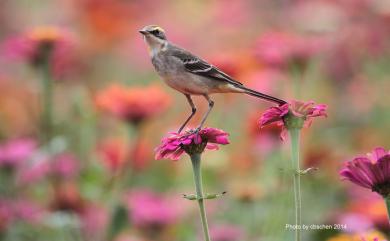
<point x="369" y="236"/>
<point x="374" y="208"/>
<point x="109" y="19"/>
<point x="116" y="153"/>
<point x="67" y="197"/>
<point x="132" y="104"/>
<point x="113" y="153"/>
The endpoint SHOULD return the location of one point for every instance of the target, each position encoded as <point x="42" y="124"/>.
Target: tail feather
<point x="262" y="96"/>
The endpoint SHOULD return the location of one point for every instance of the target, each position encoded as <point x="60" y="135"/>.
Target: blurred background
<point x="81" y="111"/>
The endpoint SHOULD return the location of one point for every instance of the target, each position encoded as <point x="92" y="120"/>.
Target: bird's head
<point x="155" y="37"/>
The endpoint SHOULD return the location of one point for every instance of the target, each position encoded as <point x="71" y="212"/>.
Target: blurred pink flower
<point x="267" y="80"/>
<point x="63" y="165"/>
<point x="355" y="222"/>
<point x="371" y="171"/>
<point x="280" y="49"/>
<point x="128" y="237"/>
<point x="15" y="210"/>
<point x="13" y="152"/>
<point x="34" y="171"/>
<point x="226" y="233"/>
<point x="148" y="209"/>
<point x="305" y="110"/>
<point x="265" y="141"/>
<point x="173" y="146"/>
<point x="26" y="210"/>
<point x="43" y="43"/>
<point x="94" y="221"/>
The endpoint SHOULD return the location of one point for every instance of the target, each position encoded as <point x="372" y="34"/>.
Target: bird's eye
<point x="155" y="32"/>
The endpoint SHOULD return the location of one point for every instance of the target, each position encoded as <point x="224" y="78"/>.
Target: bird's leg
<point x="193" y="111"/>
<point x="211" y="104"/>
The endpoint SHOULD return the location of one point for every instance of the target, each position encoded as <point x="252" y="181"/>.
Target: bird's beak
<point x="143" y="32"/>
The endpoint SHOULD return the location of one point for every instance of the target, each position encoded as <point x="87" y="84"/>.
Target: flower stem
<point x="196" y="160"/>
<point x="294" y="134"/>
<point x="387" y="200"/>
<point x="47" y="101"/>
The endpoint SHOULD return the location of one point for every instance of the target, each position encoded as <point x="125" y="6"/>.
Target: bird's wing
<point x="198" y="66"/>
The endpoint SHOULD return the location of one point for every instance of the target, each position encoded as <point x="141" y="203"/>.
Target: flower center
<point x="383" y="189"/>
<point x="293" y="122"/>
<point x="194" y="148"/>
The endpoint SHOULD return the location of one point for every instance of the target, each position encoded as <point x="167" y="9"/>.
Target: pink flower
<point x="371" y="171"/>
<point x="94" y="220"/>
<point x="14" y="152"/>
<point x="283" y="48"/>
<point x="148" y="209"/>
<point x="173" y="146"/>
<point x="18" y="209"/>
<point x="62" y="165"/>
<point x="226" y="233"/>
<point x="297" y="109"/>
<point x="355" y="222"/>
<point x="41" y="44"/>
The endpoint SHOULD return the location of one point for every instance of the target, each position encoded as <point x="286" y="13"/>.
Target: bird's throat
<point x="155" y="46"/>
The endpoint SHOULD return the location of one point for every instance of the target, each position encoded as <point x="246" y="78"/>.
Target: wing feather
<point x="198" y="66"/>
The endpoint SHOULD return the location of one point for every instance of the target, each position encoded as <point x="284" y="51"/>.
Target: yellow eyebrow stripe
<point x="158" y="28"/>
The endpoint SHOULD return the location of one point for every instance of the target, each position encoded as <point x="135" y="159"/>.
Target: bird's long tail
<point x="262" y="96"/>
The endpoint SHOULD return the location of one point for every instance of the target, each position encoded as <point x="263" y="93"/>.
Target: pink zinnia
<point x="148" y="209"/>
<point x="19" y="209"/>
<point x="298" y="109"/>
<point x="43" y="43"/>
<point x="226" y="233"/>
<point x="283" y="48"/>
<point x="173" y="146"/>
<point x="14" y="152"/>
<point x="371" y="171"/>
<point x="62" y="165"/>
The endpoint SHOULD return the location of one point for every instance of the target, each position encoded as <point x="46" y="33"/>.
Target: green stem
<point x="196" y="160"/>
<point x="294" y="134"/>
<point x="47" y="101"/>
<point x="387" y="200"/>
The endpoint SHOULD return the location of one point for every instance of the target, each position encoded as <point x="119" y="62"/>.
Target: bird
<point x="191" y="75"/>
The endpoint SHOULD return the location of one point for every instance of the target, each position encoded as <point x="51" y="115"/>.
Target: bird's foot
<point x="196" y="131"/>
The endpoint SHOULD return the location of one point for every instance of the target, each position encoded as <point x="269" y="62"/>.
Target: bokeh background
<point x="81" y="111"/>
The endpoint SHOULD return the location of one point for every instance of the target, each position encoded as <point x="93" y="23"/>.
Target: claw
<point x="193" y="131"/>
<point x="197" y="129"/>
